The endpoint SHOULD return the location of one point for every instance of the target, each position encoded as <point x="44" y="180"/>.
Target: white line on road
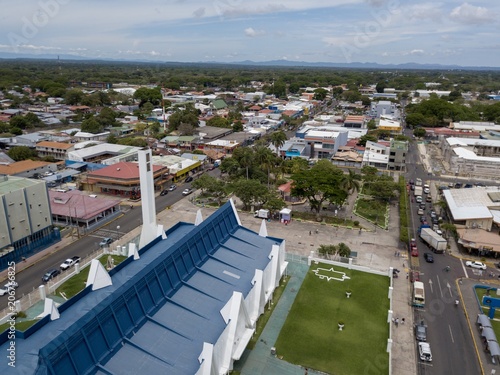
<point x="440" y="290"/>
<point x="451" y="334"/>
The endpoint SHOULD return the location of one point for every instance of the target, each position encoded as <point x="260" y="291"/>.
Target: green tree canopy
<point x="321" y="183"/>
<point x="19" y="153"/>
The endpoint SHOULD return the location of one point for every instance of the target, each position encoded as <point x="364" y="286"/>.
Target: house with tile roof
<point x="57" y="150"/>
<point x="121" y="179"/>
<point x="28" y="168"/>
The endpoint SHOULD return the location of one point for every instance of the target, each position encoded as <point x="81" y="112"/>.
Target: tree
<point x="371" y="125"/>
<point x="91" y="125"/>
<point x="319" y="184"/>
<point x="278" y="139"/>
<point x="320" y="94"/>
<point x="186" y="129"/>
<point x="250" y="192"/>
<point x="18" y="122"/>
<point x="419" y="132"/>
<point x="343" y="250"/>
<point x="219" y="122"/>
<point x="19" y="153"/>
<point x="350" y="182"/>
<point x="144" y="95"/>
<point x="415" y="119"/>
<point x="265" y="159"/>
<point x="73" y="97"/>
<point x="32" y="120"/>
<point x="237" y="126"/>
<point x="367" y="137"/>
<point x="203" y="182"/>
<point x="326" y="250"/>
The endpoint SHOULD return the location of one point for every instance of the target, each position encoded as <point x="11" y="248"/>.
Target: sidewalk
<point x="471" y="310"/>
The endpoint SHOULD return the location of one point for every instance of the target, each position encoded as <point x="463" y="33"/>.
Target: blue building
<point x="188" y="305"/>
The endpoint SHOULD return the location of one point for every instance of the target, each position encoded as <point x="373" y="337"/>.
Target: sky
<point x="335" y="31"/>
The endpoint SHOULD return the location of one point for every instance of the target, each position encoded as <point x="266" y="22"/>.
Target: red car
<point x="414" y="276"/>
<point x="414" y="252"/>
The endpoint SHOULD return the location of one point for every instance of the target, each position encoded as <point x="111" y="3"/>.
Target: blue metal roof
<point x="160" y="309"/>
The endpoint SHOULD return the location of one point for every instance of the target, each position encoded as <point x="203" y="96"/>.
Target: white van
<point x="61" y="190"/>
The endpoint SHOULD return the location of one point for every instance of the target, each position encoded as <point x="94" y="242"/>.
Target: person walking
<point x="397" y="321"/>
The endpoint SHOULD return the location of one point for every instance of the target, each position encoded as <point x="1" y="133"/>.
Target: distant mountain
<point x="270" y="63"/>
<point x="361" y="65"/>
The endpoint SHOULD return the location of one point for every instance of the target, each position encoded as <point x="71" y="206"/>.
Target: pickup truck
<point x="69" y="262"/>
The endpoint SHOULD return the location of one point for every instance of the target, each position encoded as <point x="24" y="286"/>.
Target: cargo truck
<point x="437" y="243"/>
<point x="418" y="191"/>
<point x="261" y="214"/>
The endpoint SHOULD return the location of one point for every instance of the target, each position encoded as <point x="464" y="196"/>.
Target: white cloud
<point x="467" y="13"/>
<point x="417" y="52"/>
<point x="252" y="33"/>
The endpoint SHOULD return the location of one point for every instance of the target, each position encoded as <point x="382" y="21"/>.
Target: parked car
<point x="467" y="186"/>
<point x="421" y="331"/>
<point x="187" y="191"/>
<point x="414" y="252"/>
<point x="69" y="262"/>
<point x="418" y="199"/>
<point x="475" y="264"/>
<point x="458" y="185"/>
<point x="420" y="211"/>
<point x="428" y="198"/>
<point x="164" y="192"/>
<point x="188" y="179"/>
<point x="424" y="352"/>
<point x="427" y="190"/>
<point x="106" y="241"/>
<point x="8" y="287"/>
<point x="428" y="258"/>
<point x="172" y="187"/>
<point x="49" y="275"/>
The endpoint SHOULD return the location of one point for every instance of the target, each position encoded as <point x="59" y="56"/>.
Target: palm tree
<point x="265" y="158"/>
<point x="246" y="159"/>
<point x="278" y="139"/>
<point x="343" y="250"/>
<point x="350" y="182"/>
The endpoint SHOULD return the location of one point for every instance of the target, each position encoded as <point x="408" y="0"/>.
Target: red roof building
<point x="122" y="179"/>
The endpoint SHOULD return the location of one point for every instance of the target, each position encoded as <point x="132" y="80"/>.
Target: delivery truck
<point x="418" y="191"/>
<point x="437" y="243"/>
<point x="261" y="214"/>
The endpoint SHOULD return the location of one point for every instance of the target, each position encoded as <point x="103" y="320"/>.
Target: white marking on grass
<point x="328" y="278"/>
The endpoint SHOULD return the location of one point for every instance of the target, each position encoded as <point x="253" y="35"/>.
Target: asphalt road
<point x="30" y="278"/>
<point x="451" y="343"/>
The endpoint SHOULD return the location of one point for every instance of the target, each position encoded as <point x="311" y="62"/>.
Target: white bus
<point x="418" y="294"/>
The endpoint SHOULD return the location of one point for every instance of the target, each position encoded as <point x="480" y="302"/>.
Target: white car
<point x="69" y="262"/>
<point x="7" y="287"/>
<point x="187" y="191"/>
<point x="475" y="264"/>
<point x="427" y="190"/>
<point x="424" y="352"/>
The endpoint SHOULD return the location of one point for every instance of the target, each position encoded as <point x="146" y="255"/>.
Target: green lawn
<point x="77" y="283"/>
<point x="20" y="326"/>
<point x="311" y="338"/>
<point x="372" y="210"/>
<point x="480" y="293"/>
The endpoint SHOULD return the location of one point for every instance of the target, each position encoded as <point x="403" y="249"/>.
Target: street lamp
<point x="117" y="231"/>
